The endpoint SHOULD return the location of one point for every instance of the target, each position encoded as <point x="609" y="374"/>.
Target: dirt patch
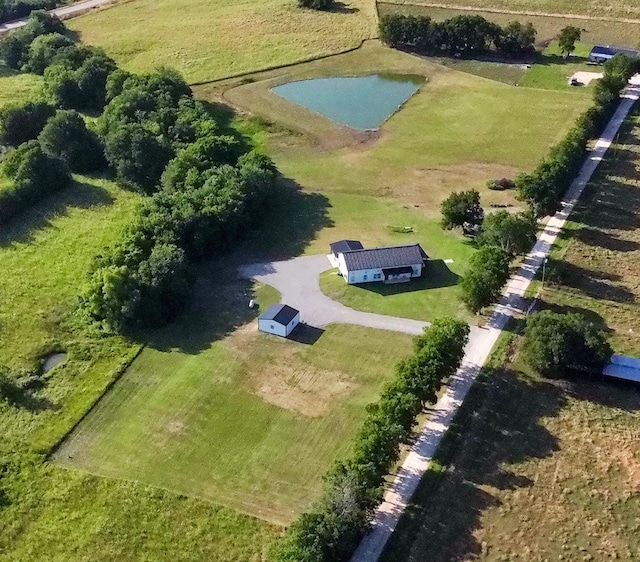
<point x="176" y="427"/>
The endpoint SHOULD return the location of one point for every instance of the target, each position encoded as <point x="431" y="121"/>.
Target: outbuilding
<point x="602" y="53"/>
<point x="279" y="319"/>
<point x="388" y="264"/>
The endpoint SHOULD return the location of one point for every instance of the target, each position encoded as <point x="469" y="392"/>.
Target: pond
<point x="361" y="102"/>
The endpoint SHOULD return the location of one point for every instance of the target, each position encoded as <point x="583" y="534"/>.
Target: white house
<point x="389" y="264"/>
<point x="279" y="319"/>
<point x="602" y="53"/>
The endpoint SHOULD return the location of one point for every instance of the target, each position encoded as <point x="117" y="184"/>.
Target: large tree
<point x="568" y="38"/>
<point x="555" y="344"/>
<point x="487" y="273"/>
<point x="462" y="209"/>
<point x="514" y="233"/>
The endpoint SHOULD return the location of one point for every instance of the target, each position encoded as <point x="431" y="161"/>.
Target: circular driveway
<point x="298" y="281"/>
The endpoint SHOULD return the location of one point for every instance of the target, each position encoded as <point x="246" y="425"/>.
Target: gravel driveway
<point x="298" y="280"/>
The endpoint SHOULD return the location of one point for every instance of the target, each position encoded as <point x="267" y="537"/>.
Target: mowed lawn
<point x="451" y="135"/>
<point x="246" y="419"/>
<point x="209" y="39"/>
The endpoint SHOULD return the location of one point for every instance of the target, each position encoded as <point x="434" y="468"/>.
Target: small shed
<point x="279" y="319"/>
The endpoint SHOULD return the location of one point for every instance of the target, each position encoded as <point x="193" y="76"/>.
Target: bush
<point x="22" y="123"/>
<point x="515" y="234"/>
<point x="501" y="184"/>
<point x="43" y="51"/>
<point x="487" y="273"/>
<point x="317" y="4"/>
<point x="34" y="175"/>
<point x="461" y="209"/>
<point x="332" y="530"/>
<point x="555" y="344"/>
<point x="67" y="137"/>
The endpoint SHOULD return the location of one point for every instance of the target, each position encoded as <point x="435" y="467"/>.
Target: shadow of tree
<point x="592" y="283"/>
<point x="596" y="237"/>
<point x="19" y="397"/>
<point x="435" y="275"/>
<point x="79" y="195"/>
<point x="498" y="427"/>
<point x="342" y="8"/>
<point x="291" y="222"/>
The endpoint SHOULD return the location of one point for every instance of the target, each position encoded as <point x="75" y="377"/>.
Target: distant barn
<point x="279" y="319"/>
<point x="602" y="53"/>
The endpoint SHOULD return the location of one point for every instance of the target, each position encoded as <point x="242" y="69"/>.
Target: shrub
<point x="555" y="344"/>
<point x="460" y="209"/>
<point x="501" y="184"/>
<point x="43" y="50"/>
<point x="67" y="137"/>
<point x="22" y="123"/>
<point x="317" y="4"/>
<point x="487" y="273"/>
<point x="34" y="175"/>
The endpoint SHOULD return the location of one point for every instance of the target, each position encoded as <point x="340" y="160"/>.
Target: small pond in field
<point x="361" y="102"/>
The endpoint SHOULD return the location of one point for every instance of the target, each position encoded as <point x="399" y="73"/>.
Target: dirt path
<point x="63" y="12"/>
<point x="510" y="12"/>
<point x="481" y="343"/>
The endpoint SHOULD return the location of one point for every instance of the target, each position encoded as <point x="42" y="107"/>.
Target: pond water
<point x="52" y="360"/>
<point x="361" y="102"/>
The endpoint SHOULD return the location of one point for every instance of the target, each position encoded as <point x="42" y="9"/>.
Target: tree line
<point x="205" y="186"/>
<point x="462" y="34"/>
<point x="333" y="528"/>
<point x="543" y="188"/>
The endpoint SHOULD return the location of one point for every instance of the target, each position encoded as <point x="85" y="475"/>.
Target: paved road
<point x="298" y="281"/>
<point x="64" y="12"/>
<point x="481" y="343"/>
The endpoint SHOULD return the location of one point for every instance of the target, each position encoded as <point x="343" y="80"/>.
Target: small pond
<point x="361" y="102"/>
<point x="53" y="360"/>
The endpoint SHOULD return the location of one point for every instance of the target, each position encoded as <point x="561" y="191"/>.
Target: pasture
<point x="15" y="87"/>
<point x="596" y="268"/>
<point x="613" y="9"/>
<point x="213" y="408"/>
<point x="532" y="469"/>
<point x="214" y="39"/>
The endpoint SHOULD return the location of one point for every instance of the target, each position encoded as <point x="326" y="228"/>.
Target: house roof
<point x="607" y="50"/>
<point x="386" y="256"/>
<point x="345" y="246"/>
<point x="279" y="313"/>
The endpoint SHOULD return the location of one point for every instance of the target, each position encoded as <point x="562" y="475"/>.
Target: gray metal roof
<point x="279" y="313"/>
<point x="345" y="246"/>
<point x="386" y="256"/>
<point x="607" y="50"/>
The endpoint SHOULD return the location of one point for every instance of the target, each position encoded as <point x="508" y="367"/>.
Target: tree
<point x="487" y="273"/>
<point x="43" y="50"/>
<point x="622" y="65"/>
<point x="556" y="343"/>
<point x="324" y="5"/>
<point x="137" y="156"/>
<point x="568" y="38"/>
<point x="460" y="209"/>
<point x="67" y="137"/>
<point x="515" y="234"/>
<point x="516" y="39"/>
<point x="61" y="87"/>
<point x="22" y="123"/>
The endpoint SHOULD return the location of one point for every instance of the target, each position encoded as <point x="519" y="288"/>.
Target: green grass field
<point x="245" y="419"/>
<point x="592" y="8"/>
<point x="209" y="39"/>
<point x="15" y="87"/>
<point x="595" y="30"/>
<point x="532" y="469"/>
<point x="450" y="135"/>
